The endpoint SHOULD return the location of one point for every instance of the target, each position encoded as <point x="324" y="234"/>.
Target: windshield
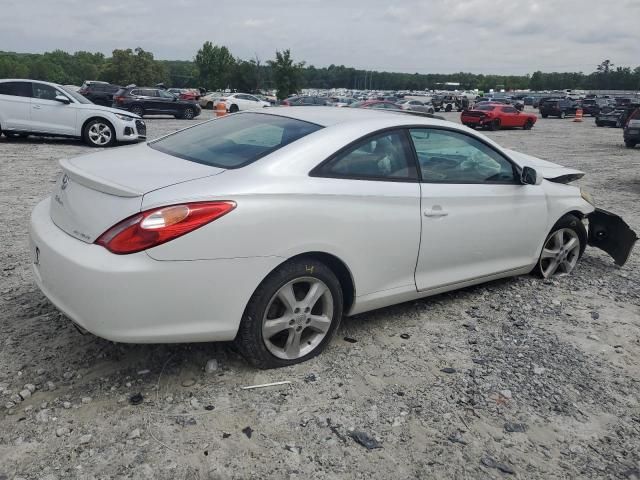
<point x="75" y="95"/>
<point x="234" y="141"/>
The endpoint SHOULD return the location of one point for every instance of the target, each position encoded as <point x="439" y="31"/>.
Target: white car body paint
<point x="51" y="117"/>
<point x="195" y="287"/>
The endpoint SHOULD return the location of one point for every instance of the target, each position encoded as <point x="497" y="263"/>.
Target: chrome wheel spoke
<point x="319" y="323"/>
<point x="316" y="291"/>
<point x="547" y="253"/>
<point x="292" y="347"/>
<point x="288" y="297"/>
<point x="275" y="326"/>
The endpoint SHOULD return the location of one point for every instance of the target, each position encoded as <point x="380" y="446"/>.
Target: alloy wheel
<point x="560" y="253"/>
<point x="297" y="318"/>
<point x="188" y="114"/>
<point x="100" y="134"/>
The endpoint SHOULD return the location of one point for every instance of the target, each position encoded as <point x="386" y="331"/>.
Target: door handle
<point x="435" y="212"/>
<point x="37" y="107"/>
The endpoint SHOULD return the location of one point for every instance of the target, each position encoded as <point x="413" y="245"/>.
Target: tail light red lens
<point x="160" y="225"/>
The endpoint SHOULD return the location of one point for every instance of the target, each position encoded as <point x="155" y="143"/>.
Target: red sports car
<point x="495" y="116"/>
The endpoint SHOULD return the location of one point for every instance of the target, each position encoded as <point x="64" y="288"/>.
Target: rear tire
<point x="188" y="114"/>
<point x="448" y="108"/>
<point x="545" y="115"/>
<point x="278" y="318"/>
<point x="562" y="115"/>
<point x="210" y="105"/>
<point x="630" y="143"/>
<point x="599" y="123"/>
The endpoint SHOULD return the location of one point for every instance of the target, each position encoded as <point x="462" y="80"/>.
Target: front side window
<point x="165" y="94"/>
<point x="16" y="89"/>
<point x="384" y="156"/>
<point x="234" y="141"/>
<point x="44" y="92"/>
<point x="509" y="110"/>
<point x="451" y="157"/>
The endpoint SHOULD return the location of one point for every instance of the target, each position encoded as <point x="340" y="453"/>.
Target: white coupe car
<point x="236" y="102"/>
<point x="32" y="107"/>
<point x="266" y="227"/>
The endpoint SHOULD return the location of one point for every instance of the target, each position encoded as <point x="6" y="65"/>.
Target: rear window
<point x="16" y="89"/>
<point x="234" y="141"/>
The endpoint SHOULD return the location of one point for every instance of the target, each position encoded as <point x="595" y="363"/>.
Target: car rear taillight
<point x="285" y="103"/>
<point x="159" y="225"/>
<point x="118" y="99"/>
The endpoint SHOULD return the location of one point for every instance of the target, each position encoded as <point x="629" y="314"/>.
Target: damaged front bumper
<point x="608" y="232"/>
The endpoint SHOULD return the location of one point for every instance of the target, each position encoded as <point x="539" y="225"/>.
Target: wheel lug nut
<point x="296" y="310"/>
<point x="291" y="322"/>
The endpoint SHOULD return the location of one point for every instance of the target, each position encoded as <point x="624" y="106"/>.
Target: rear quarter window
<point x="234" y="141"/>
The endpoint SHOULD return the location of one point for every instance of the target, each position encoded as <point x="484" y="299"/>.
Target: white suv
<point x="30" y="107"/>
<point x="242" y="101"/>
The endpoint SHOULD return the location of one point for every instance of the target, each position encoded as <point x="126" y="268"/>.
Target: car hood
<point x="100" y="108"/>
<point x="548" y="170"/>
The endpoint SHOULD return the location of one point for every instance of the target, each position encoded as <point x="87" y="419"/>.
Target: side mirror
<point x="62" y="99"/>
<point x="529" y="176"/>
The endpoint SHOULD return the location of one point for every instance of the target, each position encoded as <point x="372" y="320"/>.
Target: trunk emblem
<point x="65" y="181"/>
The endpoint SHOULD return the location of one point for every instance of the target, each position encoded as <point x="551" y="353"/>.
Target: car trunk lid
<point x="98" y="190"/>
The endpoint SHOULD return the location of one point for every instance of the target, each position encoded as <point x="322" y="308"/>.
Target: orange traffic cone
<point x="578" y="115"/>
<point x="221" y="109"/>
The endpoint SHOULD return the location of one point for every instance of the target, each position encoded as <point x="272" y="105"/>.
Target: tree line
<point x="214" y="67"/>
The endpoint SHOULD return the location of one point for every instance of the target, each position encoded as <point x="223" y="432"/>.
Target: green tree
<point x="286" y="74"/>
<point x="215" y="66"/>
<point x="134" y="66"/>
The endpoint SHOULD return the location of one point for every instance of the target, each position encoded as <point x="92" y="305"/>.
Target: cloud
<point x="482" y="36"/>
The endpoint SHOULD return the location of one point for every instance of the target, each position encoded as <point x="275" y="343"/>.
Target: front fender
<point x="609" y="232"/>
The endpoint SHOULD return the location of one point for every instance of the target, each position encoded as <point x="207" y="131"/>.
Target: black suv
<point x="593" y="106"/>
<point x="631" y="131"/>
<point x="154" y="101"/>
<point x="100" y="93"/>
<point x="558" y="107"/>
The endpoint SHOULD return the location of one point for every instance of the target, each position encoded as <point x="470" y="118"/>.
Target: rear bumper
<point x="135" y="299"/>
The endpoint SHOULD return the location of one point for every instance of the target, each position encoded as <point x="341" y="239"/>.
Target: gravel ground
<point x="519" y="378"/>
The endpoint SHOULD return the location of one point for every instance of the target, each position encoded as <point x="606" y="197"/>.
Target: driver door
<point x="49" y="115"/>
<point x="477" y="218"/>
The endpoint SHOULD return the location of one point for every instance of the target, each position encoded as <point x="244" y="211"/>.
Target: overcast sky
<point x="427" y="36"/>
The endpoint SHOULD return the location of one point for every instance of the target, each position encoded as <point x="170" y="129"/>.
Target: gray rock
<point x="515" y="427"/>
<point x="62" y="431"/>
<point x="84" y="439"/>
<point x="86" y="400"/>
<point x="506" y="394"/>
<point x="211" y="366"/>
<point x="188" y="382"/>
<point x="66" y="405"/>
<point x="25" y="394"/>
<point x="133" y="434"/>
<point x="31" y="387"/>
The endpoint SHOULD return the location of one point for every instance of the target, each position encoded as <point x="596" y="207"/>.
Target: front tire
<point x="233" y="108"/>
<point x="528" y="125"/>
<point x="210" y="105"/>
<point x="562" y="248"/>
<point x="292" y="315"/>
<point x="99" y="133"/>
<point x="495" y="125"/>
<point x="630" y="143"/>
<point x="448" y="108"/>
<point x="562" y="115"/>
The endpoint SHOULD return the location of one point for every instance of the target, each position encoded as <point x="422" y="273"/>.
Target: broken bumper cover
<point x="608" y="232"/>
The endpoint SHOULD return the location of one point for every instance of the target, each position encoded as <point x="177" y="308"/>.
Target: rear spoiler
<point x="100" y="184"/>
